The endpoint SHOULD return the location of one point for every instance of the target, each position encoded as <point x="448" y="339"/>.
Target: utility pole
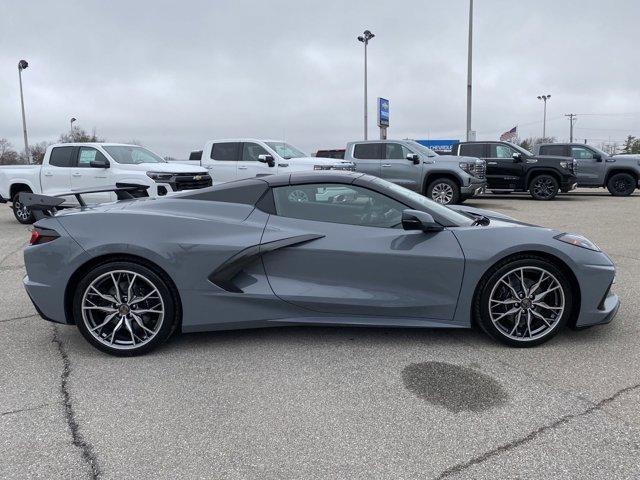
<point x="73" y="119"/>
<point x="572" y="119"/>
<point x="469" y="68"/>
<point x="22" y="64"/>
<point x="364" y="38"/>
<point x="544" y="118"/>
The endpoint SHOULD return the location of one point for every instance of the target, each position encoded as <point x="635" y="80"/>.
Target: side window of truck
<point x="396" y="151"/>
<point x="61" y="157"/>
<point x="367" y="151"/>
<point x="582" y="153"/>
<point x="557" y="150"/>
<point x="226" y="151"/>
<point x="472" y="150"/>
<point x="251" y="151"/>
<point x="501" y="151"/>
<point x="87" y="155"/>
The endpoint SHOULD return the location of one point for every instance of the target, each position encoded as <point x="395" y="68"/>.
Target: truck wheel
<point x="23" y="214"/>
<point x="621" y="184"/>
<point x="544" y="187"/>
<point x="444" y="191"/>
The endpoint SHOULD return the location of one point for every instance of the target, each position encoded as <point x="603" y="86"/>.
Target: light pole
<point x="469" y="65"/>
<point x="364" y="38"/>
<point x="544" y="118"/>
<point x="22" y="64"/>
<point x="73" y="119"/>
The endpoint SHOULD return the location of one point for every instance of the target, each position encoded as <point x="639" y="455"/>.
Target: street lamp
<point x="544" y="118"/>
<point x="22" y="64"/>
<point x="73" y="119"/>
<point x="364" y="38"/>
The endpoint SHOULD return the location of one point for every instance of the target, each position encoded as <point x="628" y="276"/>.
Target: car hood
<point x="315" y="161"/>
<point x="551" y="157"/>
<point x="162" y="167"/>
<point x="456" y="159"/>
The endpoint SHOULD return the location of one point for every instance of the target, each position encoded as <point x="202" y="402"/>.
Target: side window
<point x="250" y="152"/>
<point x="395" y="151"/>
<point x="337" y="203"/>
<point x="552" y="150"/>
<point x="87" y="154"/>
<point x="61" y="157"/>
<point x="472" y="150"/>
<point x="501" y="151"/>
<point x="367" y="151"/>
<point x="225" y="151"/>
<point x="582" y="153"/>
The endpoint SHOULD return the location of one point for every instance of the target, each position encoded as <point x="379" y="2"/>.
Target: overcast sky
<point x="174" y="74"/>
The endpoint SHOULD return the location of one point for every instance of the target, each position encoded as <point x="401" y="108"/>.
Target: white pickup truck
<point x="76" y="166"/>
<point x="238" y="158"/>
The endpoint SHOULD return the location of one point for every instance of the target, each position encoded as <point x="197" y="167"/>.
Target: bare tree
<point x="8" y="156"/>
<point x="79" y="135"/>
<point x="37" y="152"/>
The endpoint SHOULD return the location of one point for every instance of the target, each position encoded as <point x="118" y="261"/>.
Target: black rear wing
<point x="44" y="205"/>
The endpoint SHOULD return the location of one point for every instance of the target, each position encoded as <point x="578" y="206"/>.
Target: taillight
<point x="42" y="235"/>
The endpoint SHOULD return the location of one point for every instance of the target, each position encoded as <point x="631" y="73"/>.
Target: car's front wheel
<point x="621" y="184"/>
<point x="544" y="187"/>
<point x="444" y="191"/>
<point x="524" y="301"/>
<point x="125" y="308"/>
<point x="22" y="213"/>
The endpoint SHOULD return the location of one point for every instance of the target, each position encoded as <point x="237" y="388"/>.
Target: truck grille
<point x="192" y="181"/>
<point x="480" y="170"/>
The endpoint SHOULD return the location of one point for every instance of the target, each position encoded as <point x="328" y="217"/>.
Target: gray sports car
<point x="323" y="248"/>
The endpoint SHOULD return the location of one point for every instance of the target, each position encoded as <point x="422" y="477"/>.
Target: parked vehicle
<point x="444" y="179"/>
<point x="235" y="159"/>
<point x="335" y="153"/>
<point x="250" y="253"/>
<point x="619" y="173"/>
<point x="513" y="168"/>
<point x="72" y="166"/>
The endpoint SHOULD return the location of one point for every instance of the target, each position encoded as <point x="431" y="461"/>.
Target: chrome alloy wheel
<point x="527" y="303"/>
<point x="122" y="309"/>
<point x="21" y="211"/>
<point x="298" y="196"/>
<point x="442" y="193"/>
<point x="544" y="187"/>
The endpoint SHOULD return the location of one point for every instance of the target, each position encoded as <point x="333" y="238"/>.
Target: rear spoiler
<point x="44" y="205"/>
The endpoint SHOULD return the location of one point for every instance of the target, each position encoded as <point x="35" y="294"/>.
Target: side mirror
<point x="100" y="163"/>
<point x="417" y="220"/>
<point x="414" y="158"/>
<point x="597" y="157"/>
<point x="268" y="159"/>
<point x="517" y="157"/>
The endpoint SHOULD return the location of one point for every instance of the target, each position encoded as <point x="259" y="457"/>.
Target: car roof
<point x="301" y="178"/>
<point x="94" y="144"/>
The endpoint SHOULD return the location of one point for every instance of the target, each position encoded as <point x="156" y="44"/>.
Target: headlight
<point x="322" y="167"/>
<point x="160" y="176"/>
<point x="578" y="241"/>
<point x="467" y="167"/>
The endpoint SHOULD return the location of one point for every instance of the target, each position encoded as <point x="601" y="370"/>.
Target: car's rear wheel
<point x="621" y="184"/>
<point x="544" y="187"/>
<point x="22" y="213"/>
<point x="523" y="301"/>
<point x="124" y="308"/>
<point x="444" y="191"/>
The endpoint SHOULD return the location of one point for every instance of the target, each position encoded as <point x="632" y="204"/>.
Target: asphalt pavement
<point x="348" y="403"/>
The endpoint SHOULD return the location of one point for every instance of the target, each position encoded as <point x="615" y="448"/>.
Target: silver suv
<point x="446" y="179"/>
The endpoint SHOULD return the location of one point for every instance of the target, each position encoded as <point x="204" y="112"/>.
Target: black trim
<point x="223" y="275"/>
<point x="3" y="200"/>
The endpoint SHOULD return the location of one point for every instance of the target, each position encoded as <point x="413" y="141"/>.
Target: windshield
<point x="422" y="149"/>
<point x="524" y="151"/>
<point x="131" y="155"/>
<point x="452" y="216"/>
<point x="285" y="150"/>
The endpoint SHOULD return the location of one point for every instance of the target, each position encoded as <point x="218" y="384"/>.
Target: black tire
<point x="443" y="191"/>
<point x="23" y="214"/>
<point x="491" y="280"/>
<point x="621" y="184"/>
<point x="170" y="304"/>
<point x="544" y="187"/>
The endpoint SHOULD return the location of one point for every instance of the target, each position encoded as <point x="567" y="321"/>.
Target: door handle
<point x="242" y="168"/>
<point x="100" y="176"/>
<point x="76" y="174"/>
<point x="492" y="163"/>
<point x="48" y="174"/>
<point x="385" y="165"/>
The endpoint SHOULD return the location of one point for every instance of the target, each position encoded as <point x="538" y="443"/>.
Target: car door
<point x="396" y="168"/>
<point x="590" y="165"/>
<point x="506" y="172"/>
<point x="248" y="163"/>
<point x="367" y="157"/>
<point x="358" y="260"/>
<point x="84" y="176"/>
<point x="56" y="174"/>
<point x="223" y="161"/>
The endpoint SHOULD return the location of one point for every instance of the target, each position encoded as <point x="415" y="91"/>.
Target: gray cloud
<point x="174" y="74"/>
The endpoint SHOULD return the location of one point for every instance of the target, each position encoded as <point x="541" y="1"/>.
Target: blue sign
<point x="439" y="146"/>
<point x="383" y="112"/>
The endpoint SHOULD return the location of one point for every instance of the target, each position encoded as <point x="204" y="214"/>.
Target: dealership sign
<point x="383" y="112"/>
<point x="439" y="146"/>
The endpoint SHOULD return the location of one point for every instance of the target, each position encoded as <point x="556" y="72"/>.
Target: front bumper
<point x="568" y="184"/>
<point x="476" y="186"/>
<point x="598" y="304"/>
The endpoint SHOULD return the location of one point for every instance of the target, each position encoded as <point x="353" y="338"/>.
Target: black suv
<point x="512" y="168"/>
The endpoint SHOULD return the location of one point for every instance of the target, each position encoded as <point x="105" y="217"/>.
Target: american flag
<point x="510" y="135"/>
